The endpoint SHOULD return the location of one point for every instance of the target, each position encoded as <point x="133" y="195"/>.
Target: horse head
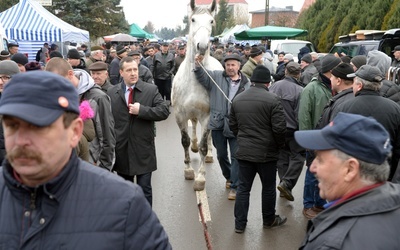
<point x="201" y="22"/>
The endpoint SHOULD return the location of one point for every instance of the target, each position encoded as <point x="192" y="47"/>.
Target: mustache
<point x="19" y="152"/>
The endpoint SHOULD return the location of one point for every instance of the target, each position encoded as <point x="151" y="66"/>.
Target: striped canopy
<point x="30" y="21"/>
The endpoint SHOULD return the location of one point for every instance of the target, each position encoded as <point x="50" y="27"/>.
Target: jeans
<point x="230" y="168"/>
<point x="311" y="196"/>
<point x="144" y="181"/>
<point x="291" y="162"/>
<point x="247" y="172"/>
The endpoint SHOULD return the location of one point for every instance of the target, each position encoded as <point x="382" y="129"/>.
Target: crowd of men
<point x="336" y="115"/>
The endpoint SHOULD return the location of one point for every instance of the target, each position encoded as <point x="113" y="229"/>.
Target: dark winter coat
<point x="370" y="220"/>
<point x="385" y="111"/>
<point x="289" y="91"/>
<point x="163" y="66"/>
<point x="113" y="71"/>
<point x="135" y="148"/>
<point x="390" y="90"/>
<point x="84" y="207"/>
<point x="258" y="121"/>
<point x="332" y="107"/>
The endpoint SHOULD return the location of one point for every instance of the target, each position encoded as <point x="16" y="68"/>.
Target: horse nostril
<point x="198" y="46"/>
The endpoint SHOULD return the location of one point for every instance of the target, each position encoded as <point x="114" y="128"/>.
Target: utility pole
<point x="266" y="12"/>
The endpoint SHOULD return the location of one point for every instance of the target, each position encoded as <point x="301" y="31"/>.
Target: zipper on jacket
<point x="32" y="204"/>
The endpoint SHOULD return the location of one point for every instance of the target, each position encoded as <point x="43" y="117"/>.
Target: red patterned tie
<point x="130" y="97"/>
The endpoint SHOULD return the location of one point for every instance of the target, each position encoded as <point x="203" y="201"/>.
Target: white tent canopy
<point x="30" y="21"/>
<point x="228" y="36"/>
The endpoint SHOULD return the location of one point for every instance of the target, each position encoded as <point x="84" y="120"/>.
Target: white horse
<point x="190" y="100"/>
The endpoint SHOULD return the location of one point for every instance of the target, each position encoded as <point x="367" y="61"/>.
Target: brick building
<point x="285" y="17"/>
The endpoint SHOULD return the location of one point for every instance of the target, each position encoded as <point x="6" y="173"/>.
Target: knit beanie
<point x="329" y="62"/>
<point x="307" y="58"/>
<point x="8" y="67"/>
<point x="73" y="54"/>
<point x="342" y="70"/>
<point x="359" y="61"/>
<point x="288" y="57"/>
<point x="261" y="74"/>
<point x="20" y="58"/>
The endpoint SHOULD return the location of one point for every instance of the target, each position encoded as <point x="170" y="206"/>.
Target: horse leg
<point x="194" y="147"/>
<point x="185" y="140"/>
<point x="200" y="180"/>
<point x="209" y="156"/>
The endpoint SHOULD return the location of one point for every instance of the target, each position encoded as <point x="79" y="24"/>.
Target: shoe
<point x="239" y="230"/>
<point x="309" y="213"/>
<point x="287" y="193"/>
<point x="278" y="221"/>
<point x="232" y="194"/>
<point x="228" y="184"/>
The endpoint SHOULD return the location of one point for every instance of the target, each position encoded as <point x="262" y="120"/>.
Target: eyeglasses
<point x="5" y="78"/>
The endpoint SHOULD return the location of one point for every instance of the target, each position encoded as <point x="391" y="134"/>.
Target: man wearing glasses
<point x="8" y="68"/>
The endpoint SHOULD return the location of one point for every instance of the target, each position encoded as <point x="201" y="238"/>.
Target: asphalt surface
<point x="175" y="203"/>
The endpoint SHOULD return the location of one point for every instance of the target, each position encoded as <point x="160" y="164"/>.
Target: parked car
<point x="289" y="46"/>
<point x="389" y="40"/>
<point x="358" y="43"/>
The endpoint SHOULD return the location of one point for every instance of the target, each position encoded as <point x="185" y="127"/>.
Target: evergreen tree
<point x="149" y="28"/>
<point x="99" y="17"/>
<point x="6" y="4"/>
<point x="223" y="18"/>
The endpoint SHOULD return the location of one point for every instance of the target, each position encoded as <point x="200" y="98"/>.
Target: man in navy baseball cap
<point x="351" y="168"/>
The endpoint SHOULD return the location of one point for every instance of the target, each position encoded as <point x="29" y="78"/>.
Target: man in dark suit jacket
<point x="136" y="106"/>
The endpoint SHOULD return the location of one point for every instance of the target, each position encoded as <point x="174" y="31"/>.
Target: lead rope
<point x="201" y="65"/>
<point x="206" y="235"/>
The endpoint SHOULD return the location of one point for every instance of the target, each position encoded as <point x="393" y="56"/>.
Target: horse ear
<point x="193" y="4"/>
<point x="213" y="6"/>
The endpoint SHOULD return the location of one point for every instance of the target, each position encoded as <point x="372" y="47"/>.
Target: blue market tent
<point x="30" y="21"/>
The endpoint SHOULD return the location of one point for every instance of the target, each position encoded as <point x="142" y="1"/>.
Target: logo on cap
<point x="63" y="101"/>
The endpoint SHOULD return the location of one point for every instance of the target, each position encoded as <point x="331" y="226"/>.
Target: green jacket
<point x="312" y="102"/>
<point x="249" y="67"/>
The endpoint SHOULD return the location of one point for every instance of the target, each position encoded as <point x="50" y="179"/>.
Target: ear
<point x="213" y="5"/>
<point x="192" y="4"/>
<point x="352" y="170"/>
<point x="75" y="130"/>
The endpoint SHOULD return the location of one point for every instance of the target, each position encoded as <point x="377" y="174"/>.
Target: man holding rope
<point x="223" y="86"/>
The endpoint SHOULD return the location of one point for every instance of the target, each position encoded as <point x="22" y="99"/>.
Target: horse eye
<point x="192" y="20"/>
<point x="212" y="21"/>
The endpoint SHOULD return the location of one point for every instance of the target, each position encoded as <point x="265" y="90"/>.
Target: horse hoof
<point x="199" y="185"/>
<point x="189" y="174"/>
<point x="209" y="159"/>
<point x="194" y="149"/>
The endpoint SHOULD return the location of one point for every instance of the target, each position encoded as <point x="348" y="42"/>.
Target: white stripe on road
<point x="202" y="198"/>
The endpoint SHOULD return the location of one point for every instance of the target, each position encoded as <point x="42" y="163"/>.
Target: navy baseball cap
<point x="38" y="97"/>
<point x="361" y="137"/>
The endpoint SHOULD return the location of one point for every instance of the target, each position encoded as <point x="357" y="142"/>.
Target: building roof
<point x="204" y="2"/>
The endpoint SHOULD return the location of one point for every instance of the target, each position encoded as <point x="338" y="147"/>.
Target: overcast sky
<point x="170" y="13"/>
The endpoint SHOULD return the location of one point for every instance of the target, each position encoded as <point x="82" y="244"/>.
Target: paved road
<point x="175" y="203"/>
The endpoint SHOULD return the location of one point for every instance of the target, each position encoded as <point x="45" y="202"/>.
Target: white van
<point x="289" y="46"/>
<point x="3" y="39"/>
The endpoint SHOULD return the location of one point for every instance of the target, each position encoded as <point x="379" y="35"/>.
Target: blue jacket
<point x="84" y="207"/>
